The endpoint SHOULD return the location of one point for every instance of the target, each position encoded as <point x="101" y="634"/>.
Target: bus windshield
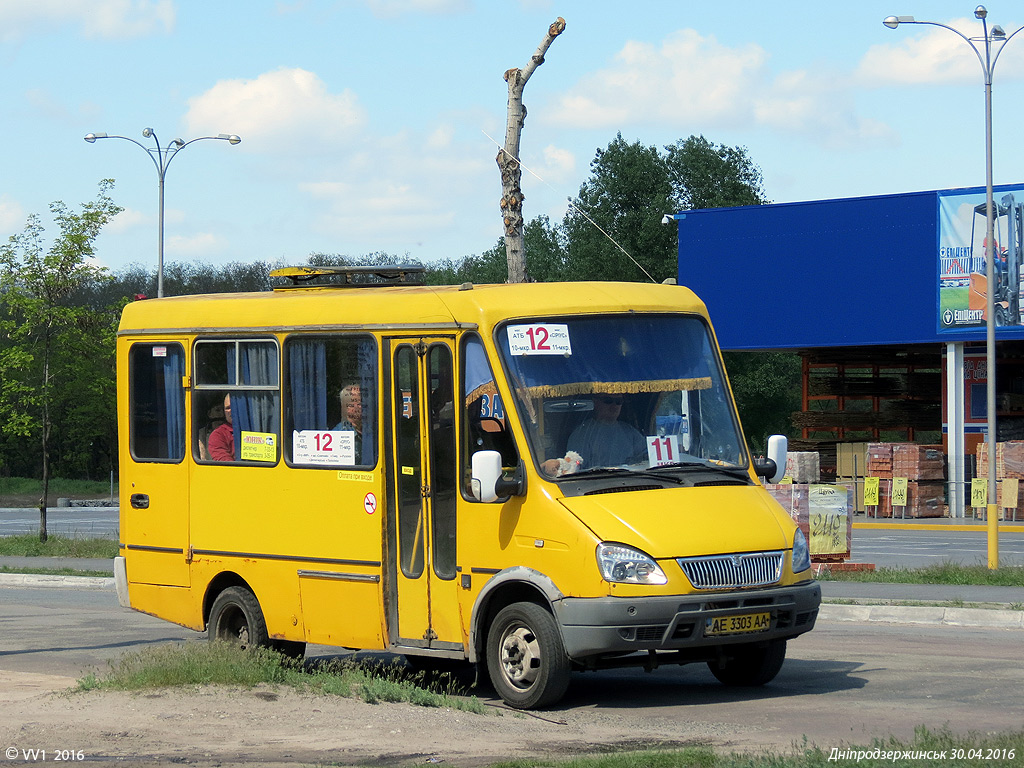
<point x="626" y="391"/>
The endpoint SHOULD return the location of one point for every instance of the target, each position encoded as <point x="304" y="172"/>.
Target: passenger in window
<point x="601" y="441"/>
<point x="352" y="415"/>
<point x="222" y="439"/>
<point x="214" y="418"/>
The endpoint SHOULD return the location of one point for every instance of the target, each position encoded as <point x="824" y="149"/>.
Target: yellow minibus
<point x="538" y="478"/>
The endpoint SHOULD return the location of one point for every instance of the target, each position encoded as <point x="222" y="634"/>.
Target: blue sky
<point x="365" y="123"/>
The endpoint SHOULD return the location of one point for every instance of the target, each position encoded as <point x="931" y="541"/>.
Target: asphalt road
<point x="842" y="682"/>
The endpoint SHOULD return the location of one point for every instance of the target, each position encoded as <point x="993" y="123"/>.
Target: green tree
<point x="708" y="175"/>
<point x="625" y="198"/>
<point x="766" y="387"/>
<point x="47" y="336"/>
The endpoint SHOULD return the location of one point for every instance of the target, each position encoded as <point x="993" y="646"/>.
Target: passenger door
<point x="154" y="480"/>
<point x="423" y="495"/>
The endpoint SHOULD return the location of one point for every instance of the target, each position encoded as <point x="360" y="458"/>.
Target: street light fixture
<point x="994" y="38"/>
<point x="161" y="157"/>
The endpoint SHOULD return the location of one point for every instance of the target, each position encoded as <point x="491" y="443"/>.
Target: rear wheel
<point x="750" y="665"/>
<point x="236" y="618"/>
<point x="526" y="658"/>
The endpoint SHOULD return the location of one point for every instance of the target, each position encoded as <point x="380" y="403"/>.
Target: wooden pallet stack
<point x="924" y="468"/>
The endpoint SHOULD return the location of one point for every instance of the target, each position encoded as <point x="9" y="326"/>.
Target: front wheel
<point x="236" y="617"/>
<point x="750" y="665"/>
<point x="526" y="658"/>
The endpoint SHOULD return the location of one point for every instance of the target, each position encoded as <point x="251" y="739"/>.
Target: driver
<point x="603" y="440"/>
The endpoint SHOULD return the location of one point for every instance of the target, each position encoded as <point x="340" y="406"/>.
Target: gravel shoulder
<point x="267" y="726"/>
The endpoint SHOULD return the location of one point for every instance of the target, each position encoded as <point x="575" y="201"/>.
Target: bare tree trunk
<point x="508" y="158"/>
<point x="46" y="438"/>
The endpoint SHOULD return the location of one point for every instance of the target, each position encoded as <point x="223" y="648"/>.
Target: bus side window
<point x="244" y="372"/>
<point x="484" y="426"/>
<point x="330" y="386"/>
<point x="156" y="425"/>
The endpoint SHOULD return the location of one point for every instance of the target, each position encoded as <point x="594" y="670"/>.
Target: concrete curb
<point x="912" y="614"/>
<point x="47" y="580"/>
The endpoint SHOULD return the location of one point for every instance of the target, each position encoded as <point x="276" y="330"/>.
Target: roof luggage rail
<point x="350" y="277"/>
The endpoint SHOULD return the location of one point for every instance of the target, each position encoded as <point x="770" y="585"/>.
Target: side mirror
<point x="487" y="483"/>
<point x="774" y="467"/>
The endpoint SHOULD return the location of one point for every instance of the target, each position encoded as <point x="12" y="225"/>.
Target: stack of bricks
<point x="803" y="466"/>
<point x="924" y="468"/>
<point x="1009" y="465"/>
<point x="1009" y="460"/>
<point x="880" y="460"/>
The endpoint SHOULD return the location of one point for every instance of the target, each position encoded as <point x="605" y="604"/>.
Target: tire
<point x="526" y="658"/>
<point x="749" y="665"/>
<point x="236" y="618"/>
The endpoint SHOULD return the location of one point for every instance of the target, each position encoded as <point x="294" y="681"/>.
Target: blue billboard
<point x="886" y="269"/>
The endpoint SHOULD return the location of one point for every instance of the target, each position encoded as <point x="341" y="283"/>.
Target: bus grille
<point x="754" y="569"/>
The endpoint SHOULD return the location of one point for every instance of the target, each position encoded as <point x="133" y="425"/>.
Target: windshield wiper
<point x="700" y="465"/>
<point x="619" y="471"/>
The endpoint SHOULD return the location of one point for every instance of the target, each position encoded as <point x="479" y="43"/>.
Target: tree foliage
<point x="708" y="175"/>
<point x="56" y="355"/>
<point x="614" y="227"/>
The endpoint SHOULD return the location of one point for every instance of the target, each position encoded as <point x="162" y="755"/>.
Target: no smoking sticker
<point x="370" y="503"/>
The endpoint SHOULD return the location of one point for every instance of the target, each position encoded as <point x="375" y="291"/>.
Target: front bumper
<point x="593" y="627"/>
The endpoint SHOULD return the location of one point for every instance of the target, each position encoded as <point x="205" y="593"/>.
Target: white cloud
<point x="12" y="215"/>
<point x="693" y="81"/>
<point x="818" y="104"/>
<point x="127" y="220"/>
<point x="283" y="108"/>
<point x="393" y="8"/>
<point x="556" y="166"/>
<point x="936" y="56"/>
<point x="689" y="77"/>
<point x="191" y="246"/>
<point x="110" y="19"/>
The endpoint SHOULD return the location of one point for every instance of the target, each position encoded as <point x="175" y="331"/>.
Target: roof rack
<point x="351" y="277"/>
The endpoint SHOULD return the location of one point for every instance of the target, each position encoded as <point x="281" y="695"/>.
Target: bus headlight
<point x="626" y="565"/>
<point x="801" y="552"/>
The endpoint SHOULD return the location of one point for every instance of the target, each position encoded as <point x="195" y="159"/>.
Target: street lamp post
<point x="161" y="157"/>
<point x="997" y="39"/>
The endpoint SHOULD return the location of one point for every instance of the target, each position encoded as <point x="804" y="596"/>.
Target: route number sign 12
<point x="539" y="339"/>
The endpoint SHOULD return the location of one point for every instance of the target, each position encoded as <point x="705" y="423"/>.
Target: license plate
<point x="737" y="625"/>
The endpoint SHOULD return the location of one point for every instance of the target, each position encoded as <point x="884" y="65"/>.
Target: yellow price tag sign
<point x="870" y="491"/>
<point x="899" y="491"/>
<point x="979" y="492"/>
<point x="259" y="446"/>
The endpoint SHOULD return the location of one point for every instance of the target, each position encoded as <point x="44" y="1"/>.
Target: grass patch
<point x="29" y="545"/>
<point x="940" y="573"/>
<point x="57" y="572"/>
<point x="203" y="663"/>
<point x="925" y="748"/>
<point x="25" y="491"/>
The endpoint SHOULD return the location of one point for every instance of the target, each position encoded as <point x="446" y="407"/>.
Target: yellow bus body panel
<point x="305" y="540"/>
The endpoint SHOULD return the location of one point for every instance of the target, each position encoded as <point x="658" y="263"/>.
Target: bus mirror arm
<point x="487" y="481"/>
<point x="773" y="467"/>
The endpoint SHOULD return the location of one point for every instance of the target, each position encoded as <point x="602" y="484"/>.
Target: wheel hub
<point x="520" y="657"/>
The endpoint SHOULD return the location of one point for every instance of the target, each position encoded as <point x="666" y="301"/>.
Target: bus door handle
<point x="140" y="501"/>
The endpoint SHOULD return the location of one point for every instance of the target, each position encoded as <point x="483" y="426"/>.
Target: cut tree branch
<point x="508" y="157"/>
